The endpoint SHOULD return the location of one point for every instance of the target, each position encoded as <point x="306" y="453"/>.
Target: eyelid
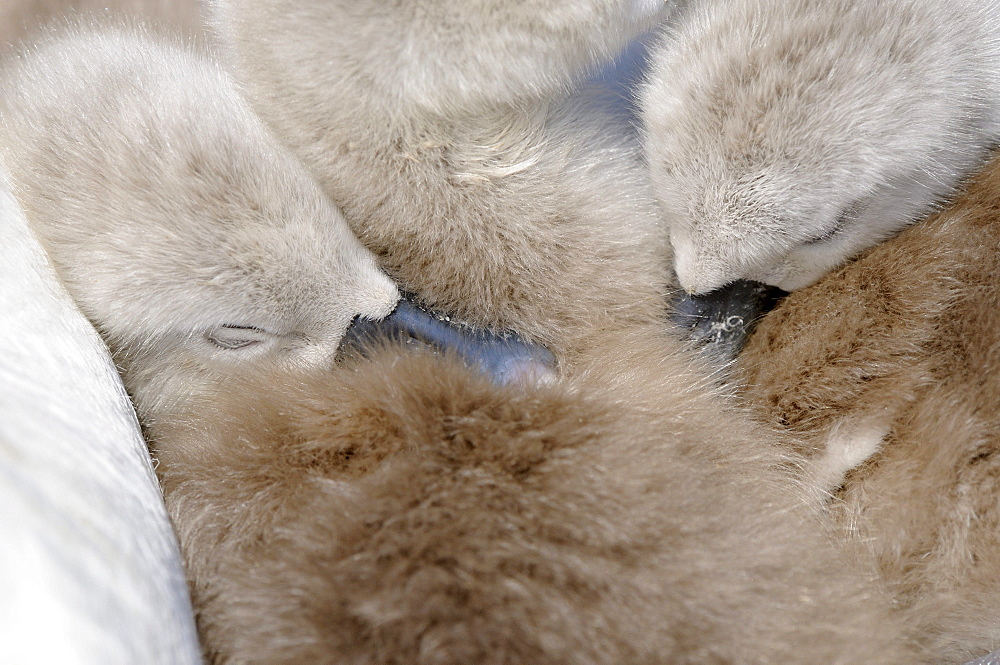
<point x="837" y="228"/>
<point x="849" y="213"/>
<point x="232" y="337"/>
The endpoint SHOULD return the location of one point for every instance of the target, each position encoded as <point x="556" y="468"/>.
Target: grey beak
<point x="504" y="358"/>
<point x="723" y="319"/>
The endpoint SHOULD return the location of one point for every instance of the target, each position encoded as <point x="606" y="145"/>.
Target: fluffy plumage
<point x="402" y="509"/>
<point x="447" y="134"/>
<point x="176" y="221"/>
<point x="20" y="20"/>
<point x="786" y="136"/>
<point x="897" y="355"/>
<point x="406" y="510"/>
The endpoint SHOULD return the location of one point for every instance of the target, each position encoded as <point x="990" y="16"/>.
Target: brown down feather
<point x="907" y="336"/>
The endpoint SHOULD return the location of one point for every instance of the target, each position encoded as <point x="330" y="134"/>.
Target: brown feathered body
<point x="897" y="356"/>
<point x="406" y="510"/>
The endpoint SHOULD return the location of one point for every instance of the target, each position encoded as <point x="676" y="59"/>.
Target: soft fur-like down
<point x="888" y="371"/>
<point x="175" y="219"/>
<point x="20" y="20"/>
<point x="786" y="136"/>
<point x="446" y="132"/>
<point x="406" y="510"/>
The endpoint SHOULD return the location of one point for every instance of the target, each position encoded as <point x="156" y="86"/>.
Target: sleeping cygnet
<point x="786" y="136"/>
<point x="185" y="232"/>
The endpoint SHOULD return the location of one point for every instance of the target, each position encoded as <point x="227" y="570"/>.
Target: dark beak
<point x="505" y="358"/>
<point x="723" y="319"/>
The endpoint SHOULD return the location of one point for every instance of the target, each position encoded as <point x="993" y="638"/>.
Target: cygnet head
<point x="184" y="231"/>
<point x="786" y="136"/>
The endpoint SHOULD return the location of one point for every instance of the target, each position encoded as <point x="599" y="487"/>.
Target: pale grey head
<point x="786" y="136"/>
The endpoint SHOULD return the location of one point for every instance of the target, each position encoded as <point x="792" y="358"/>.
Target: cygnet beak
<point x="724" y="318"/>
<point x="504" y="358"/>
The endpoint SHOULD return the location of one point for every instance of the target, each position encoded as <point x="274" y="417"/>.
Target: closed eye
<point x="829" y="234"/>
<point x="849" y="214"/>
<point x="238" y="337"/>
